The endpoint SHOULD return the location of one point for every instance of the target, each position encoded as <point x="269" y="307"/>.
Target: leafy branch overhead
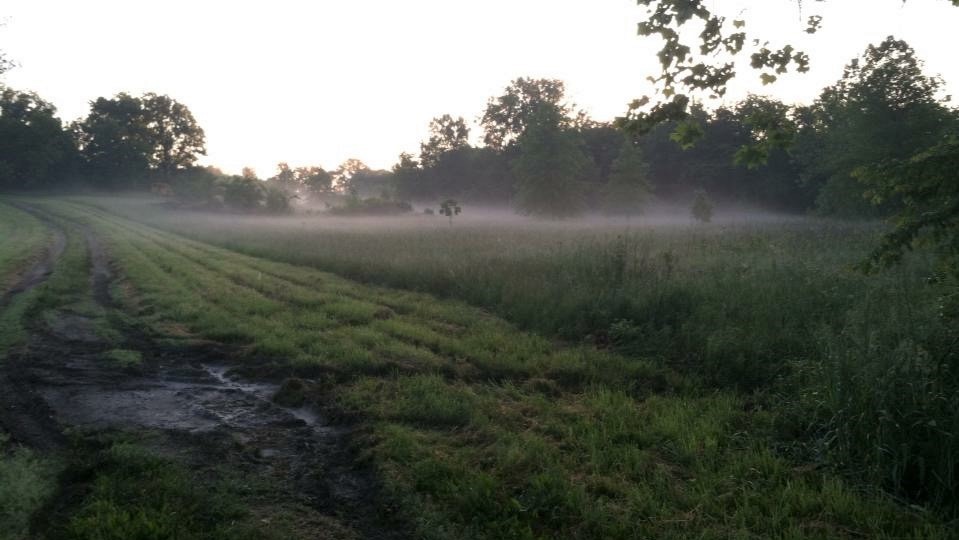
<point x="703" y="63"/>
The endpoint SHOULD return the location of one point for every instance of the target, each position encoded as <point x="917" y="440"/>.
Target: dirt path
<point x="186" y="403"/>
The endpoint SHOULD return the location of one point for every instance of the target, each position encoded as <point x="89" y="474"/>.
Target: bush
<point x="372" y="206"/>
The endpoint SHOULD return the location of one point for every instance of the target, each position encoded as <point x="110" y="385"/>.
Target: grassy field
<point x="749" y="388"/>
<point x="858" y="370"/>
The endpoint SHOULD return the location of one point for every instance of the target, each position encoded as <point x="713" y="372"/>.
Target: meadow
<point x="858" y="368"/>
<point x="571" y="380"/>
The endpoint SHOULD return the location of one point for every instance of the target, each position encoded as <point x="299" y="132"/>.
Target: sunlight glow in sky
<point x="319" y="82"/>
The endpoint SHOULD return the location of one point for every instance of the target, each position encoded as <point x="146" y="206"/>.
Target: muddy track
<point x="41" y="269"/>
<point x="186" y="403"/>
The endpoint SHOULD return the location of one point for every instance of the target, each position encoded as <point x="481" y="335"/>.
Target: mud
<point x="187" y="403"/>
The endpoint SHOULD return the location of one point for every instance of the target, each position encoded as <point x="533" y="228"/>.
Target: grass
<point x="125" y="491"/>
<point x="22" y="238"/>
<point x="27" y="482"/>
<point x="124" y="358"/>
<point x="482" y="430"/>
<point x="859" y="369"/>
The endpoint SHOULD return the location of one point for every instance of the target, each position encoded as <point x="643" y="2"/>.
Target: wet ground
<point x="184" y="402"/>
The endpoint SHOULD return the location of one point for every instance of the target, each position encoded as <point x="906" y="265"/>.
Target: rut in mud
<point x="186" y="403"/>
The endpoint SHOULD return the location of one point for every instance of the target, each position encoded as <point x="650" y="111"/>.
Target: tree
<point x="704" y="65"/>
<point x="507" y="117"/>
<point x="408" y="178"/>
<point x="550" y="167"/>
<point x="450" y="208"/>
<point x="343" y="175"/>
<point x="628" y="186"/>
<point x="35" y="150"/>
<point x="174" y="135"/>
<point x="702" y="208"/>
<point x="884" y="107"/>
<point x="284" y="178"/>
<point x="446" y="135"/>
<point x="315" y="181"/>
<point x="115" y="142"/>
<point x="126" y="138"/>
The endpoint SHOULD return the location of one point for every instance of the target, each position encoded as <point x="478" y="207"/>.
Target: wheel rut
<point x="187" y="403"/>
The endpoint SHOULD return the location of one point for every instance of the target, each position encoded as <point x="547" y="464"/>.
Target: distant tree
<point x="284" y="179"/>
<point x="446" y="135"/>
<point x="343" y="175"/>
<point x="702" y="208"/>
<point x="370" y="183"/>
<point x="315" y="181"/>
<point x="249" y="172"/>
<point x="175" y="138"/>
<point x="507" y="117"/>
<point x="125" y="138"/>
<point x="603" y="144"/>
<point x="115" y="142"/>
<point x="550" y="167"/>
<point x="450" y="208"/>
<point x="243" y="194"/>
<point x="628" y="186"/>
<point x="408" y="178"/>
<point x="35" y="150"/>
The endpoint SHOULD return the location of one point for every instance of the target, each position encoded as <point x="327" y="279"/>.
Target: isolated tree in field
<point x="702" y="209"/>
<point x="34" y="148"/>
<point x="175" y="137"/>
<point x="450" y="208"/>
<point x="507" y="117"/>
<point x="446" y="135"/>
<point x="628" y="186"/>
<point x="550" y="167"/>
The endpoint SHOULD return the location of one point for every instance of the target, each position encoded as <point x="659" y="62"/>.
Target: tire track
<point x="190" y="406"/>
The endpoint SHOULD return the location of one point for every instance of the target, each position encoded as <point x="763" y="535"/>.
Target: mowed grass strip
<point x="482" y="431"/>
<point x="22" y="240"/>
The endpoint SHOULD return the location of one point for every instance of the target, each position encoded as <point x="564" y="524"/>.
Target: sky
<point x="317" y="82"/>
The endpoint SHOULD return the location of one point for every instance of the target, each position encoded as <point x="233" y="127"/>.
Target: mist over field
<point x="705" y="318"/>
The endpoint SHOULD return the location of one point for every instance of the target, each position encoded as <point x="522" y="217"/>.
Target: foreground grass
<point x="483" y="431"/>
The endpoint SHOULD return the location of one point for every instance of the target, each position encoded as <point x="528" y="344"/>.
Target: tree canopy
<point x="507" y="116"/>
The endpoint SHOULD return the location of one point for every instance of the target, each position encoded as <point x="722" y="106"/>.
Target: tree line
<point x="538" y="152"/>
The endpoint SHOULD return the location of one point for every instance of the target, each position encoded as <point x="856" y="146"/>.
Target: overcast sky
<point x="318" y="82"/>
